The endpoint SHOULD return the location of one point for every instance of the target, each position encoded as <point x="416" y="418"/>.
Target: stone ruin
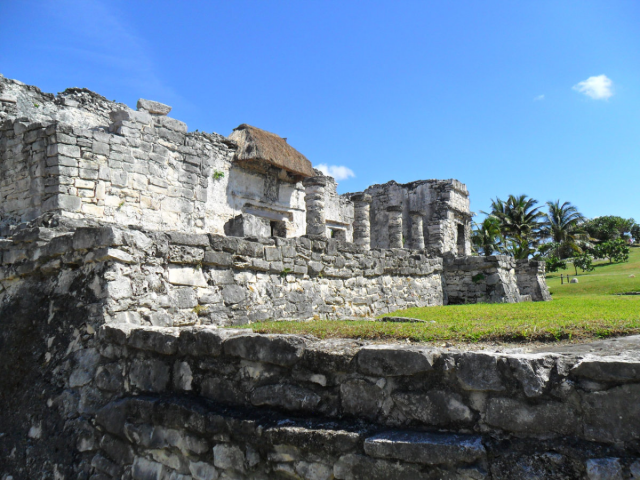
<point x="126" y="242"/>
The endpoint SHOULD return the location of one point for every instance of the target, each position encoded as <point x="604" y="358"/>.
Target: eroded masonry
<point x="127" y="242"/>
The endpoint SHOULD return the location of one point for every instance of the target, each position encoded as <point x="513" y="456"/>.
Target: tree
<point x="635" y="233"/>
<point x="518" y="248"/>
<point x="608" y="227"/>
<point x="563" y="226"/>
<point x="486" y="236"/>
<point x="553" y="264"/>
<point x="583" y="261"/>
<point x="615" y="250"/>
<point x="519" y="218"/>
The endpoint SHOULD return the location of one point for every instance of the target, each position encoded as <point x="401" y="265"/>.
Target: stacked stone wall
<point x="185" y="279"/>
<point x="23" y="171"/>
<point x="444" y="205"/>
<point x="146" y="173"/>
<point x="477" y="279"/>
<point x="531" y="279"/>
<point x="201" y="402"/>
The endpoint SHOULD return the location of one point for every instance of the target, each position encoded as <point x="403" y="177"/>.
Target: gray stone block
<point x="289" y="397"/>
<point x="149" y="375"/>
<point x="233" y="294"/>
<point x="426" y="448"/>
<point x="604" y="469"/>
<point x="516" y="416"/>
<point x="435" y="407"/>
<point x="393" y="360"/>
<point x="361" y="467"/>
<point x="611" y="416"/>
<point x="155" y="339"/>
<point x="479" y="371"/>
<point x="284" y="350"/>
<point x="608" y="369"/>
<point x="153" y="107"/>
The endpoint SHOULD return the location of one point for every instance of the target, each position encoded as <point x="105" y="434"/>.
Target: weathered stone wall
<point x="445" y="204"/>
<point x="105" y="161"/>
<point x="185" y="279"/>
<point x="23" y="169"/>
<point x="339" y="213"/>
<point x="217" y="403"/>
<point x="85" y="399"/>
<point x="531" y="280"/>
<point x="477" y="279"/>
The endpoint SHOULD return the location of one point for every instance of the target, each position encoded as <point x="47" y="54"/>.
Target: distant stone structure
<point x="126" y="241"/>
<point x="83" y="159"/>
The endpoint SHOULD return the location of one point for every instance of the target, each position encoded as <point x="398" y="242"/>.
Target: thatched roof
<point x="255" y="144"/>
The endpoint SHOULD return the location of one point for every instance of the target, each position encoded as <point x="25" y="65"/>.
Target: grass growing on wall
<point x="586" y="310"/>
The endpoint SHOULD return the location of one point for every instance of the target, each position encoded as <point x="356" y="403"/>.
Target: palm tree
<point x="486" y="236"/>
<point x="519" y="218"/>
<point x="563" y="226"/>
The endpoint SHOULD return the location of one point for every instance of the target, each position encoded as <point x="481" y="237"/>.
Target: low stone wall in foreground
<point x="337" y="409"/>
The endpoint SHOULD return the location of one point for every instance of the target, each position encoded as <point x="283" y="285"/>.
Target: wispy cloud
<point x="598" y="88"/>
<point x="339" y="172"/>
<point x="103" y="37"/>
<point x="538" y="98"/>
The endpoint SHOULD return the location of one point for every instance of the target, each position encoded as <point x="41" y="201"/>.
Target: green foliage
<point x="608" y="227"/>
<point x="486" y="236"/>
<point x="583" y="261"/>
<point x="217" y="175"/>
<point x="285" y="272"/>
<point x="120" y="205"/>
<point x="519" y="217"/>
<point x="553" y="264"/>
<point x="478" y="278"/>
<point x="563" y="225"/>
<point x="36" y="105"/>
<point x="615" y="250"/>
<point x="519" y="248"/>
<point x="635" y="233"/>
<point x="198" y="309"/>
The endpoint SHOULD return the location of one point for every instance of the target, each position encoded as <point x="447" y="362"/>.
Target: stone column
<point x="361" y="220"/>
<point x="314" y="199"/>
<point x="395" y="226"/>
<point x="417" y="230"/>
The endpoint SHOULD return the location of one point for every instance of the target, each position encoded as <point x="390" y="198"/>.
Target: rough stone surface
<point x="127" y="244"/>
<point x="153" y="107"/>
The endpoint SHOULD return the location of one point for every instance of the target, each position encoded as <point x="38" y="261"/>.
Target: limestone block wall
<point x="177" y="279"/>
<point x="339" y="213"/>
<point x="85" y="392"/>
<point x="212" y="403"/>
<point x="104" y="161"/>
<point x="23" y="171"/>
<point x="477" y="279"/>
<point x="449" y="227"/>
<point x="531" y="280"/>
<point x="445" y="204"/>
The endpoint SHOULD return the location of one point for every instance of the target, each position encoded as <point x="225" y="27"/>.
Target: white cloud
<point x="538" y="98"/>
<point x="598" y="88"/>
<point x="339" y="172"/>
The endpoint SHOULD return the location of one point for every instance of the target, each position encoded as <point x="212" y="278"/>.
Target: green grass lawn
<point x="586" y="310"/>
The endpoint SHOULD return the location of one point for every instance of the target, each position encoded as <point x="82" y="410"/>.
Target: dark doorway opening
<point x="278" y="229"/>
<point x="461" y="239"/>
<point x="339" y="234"/>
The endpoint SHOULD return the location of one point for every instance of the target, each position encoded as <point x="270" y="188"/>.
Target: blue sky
<point x="541" y="98"/>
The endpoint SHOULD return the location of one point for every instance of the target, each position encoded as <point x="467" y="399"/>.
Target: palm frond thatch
<point x="255" y="144"/>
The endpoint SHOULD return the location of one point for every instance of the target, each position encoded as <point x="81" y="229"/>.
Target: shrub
<point x="583" y="261"/>
<point x="615" y="250"/>
<point x="553" y="264"/>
